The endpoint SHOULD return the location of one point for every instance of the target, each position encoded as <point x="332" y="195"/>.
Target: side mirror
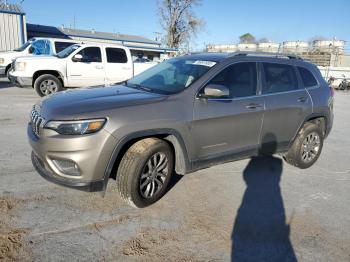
<point x="215" y="91"/>
<point x="77" y="58"/>
<point x="31" y="50"/>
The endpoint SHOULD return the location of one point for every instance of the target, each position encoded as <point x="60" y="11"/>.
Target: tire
<point x="47" y="84"/>
<point x="132" y="181"/>
<point x="302" y="153"/>
<point x="7" y="73"/>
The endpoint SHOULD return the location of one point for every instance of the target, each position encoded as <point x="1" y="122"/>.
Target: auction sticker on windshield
<point x="204" y="63"/>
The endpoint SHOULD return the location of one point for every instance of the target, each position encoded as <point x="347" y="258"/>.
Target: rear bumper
<point x="84" y="186"/>
<point x="21" y="81"/>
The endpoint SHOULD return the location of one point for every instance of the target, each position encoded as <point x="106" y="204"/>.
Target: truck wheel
<point x="47" y="84"/>
<point x="8" y="73"/>
<point x="306" y="147"/>
<point x="145" y="171"/>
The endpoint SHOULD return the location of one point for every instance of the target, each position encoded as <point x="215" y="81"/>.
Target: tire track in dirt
<point x="13" y="247"/>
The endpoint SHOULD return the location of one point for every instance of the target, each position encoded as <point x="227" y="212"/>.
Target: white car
<point x="79" y="65"/>
<point x="35" y="46"/>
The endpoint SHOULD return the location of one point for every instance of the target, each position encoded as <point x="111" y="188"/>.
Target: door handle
<point x="99" y="67"/>
<point x="253" y="106"/>
<point x="302" y="99"/>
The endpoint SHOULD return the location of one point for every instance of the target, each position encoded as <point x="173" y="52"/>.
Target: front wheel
<point x="8" y="74"/>
<point x="306" y="147"/>
<point x="47" y="84"/>
<point x="145" y="171"/>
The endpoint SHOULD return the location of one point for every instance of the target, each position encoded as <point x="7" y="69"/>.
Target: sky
<point x="225" y="20"/>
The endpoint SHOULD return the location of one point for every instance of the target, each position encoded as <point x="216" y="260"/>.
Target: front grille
<point x="36" y="121"/>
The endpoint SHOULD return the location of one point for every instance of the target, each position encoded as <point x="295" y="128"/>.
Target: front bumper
<point x="48" y="175"/>
<point x="91" y="153"/>
<point x="2" y="70"/>
<point x="21" y="81"/>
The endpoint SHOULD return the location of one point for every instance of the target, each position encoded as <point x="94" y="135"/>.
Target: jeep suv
<point x="185" y="114"/>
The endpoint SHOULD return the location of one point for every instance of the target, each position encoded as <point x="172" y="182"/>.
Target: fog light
<point x="67" y="167"/>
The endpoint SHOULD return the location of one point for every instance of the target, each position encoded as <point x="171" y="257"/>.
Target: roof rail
<point x="266" y="54"/>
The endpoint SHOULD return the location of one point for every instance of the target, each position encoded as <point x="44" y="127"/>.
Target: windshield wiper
<point x="137" y="86"/>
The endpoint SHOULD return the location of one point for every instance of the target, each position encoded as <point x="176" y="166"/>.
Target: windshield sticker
<point x="204" y="63"/>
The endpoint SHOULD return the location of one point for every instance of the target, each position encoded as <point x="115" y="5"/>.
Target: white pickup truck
<point x="34" y="46"/>
<point x="79" y="65"/>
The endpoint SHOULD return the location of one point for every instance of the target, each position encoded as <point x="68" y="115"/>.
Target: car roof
<point x="215" y="57"/>
<point x="84" y="44"/>
<point x="251" y="56"/>
<point x="53" y="39"/>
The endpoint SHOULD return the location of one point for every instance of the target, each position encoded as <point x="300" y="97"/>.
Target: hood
<point x="36" y="58"/>
<point x="10" y="55"/>
<point x="93" y="102"/>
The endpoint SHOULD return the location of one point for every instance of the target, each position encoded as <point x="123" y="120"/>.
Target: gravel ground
<point x="251" y="210"/>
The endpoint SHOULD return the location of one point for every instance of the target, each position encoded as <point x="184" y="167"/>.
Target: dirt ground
<point x="257" y="209"/>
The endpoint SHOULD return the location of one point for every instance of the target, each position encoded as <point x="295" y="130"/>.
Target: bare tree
<point x="179" y="21"/>
<point x="247" y="38"/>
<point x="264" y="40"/>
<point x="316" y="37"/>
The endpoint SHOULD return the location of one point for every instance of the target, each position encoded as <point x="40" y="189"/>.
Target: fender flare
<point x="42" y="71"/>
<point x="182" y="162"/>
<point x="307" y="119"/>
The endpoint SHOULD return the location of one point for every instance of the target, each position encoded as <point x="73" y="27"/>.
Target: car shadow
<point x="175" y="178"/>
<point x="260" y="232"/>
<point x="5" y="83"/>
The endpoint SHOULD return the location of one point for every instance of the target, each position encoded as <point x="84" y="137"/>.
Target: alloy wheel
<point x="154" y="175"/>
<point x="310" y="147"/>
<point x="48" y="87"/>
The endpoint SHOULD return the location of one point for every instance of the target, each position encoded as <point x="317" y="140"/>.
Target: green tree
<point x="247" y="38"/>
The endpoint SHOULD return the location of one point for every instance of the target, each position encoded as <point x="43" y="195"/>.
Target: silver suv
<point x="182" y="115"/>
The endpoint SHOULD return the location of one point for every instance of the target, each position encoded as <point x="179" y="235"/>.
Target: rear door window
<point x="116" y="55"/>
<point x="59" y="46"/>
<point x="279" y="78"/>
<point x="307" y="77"/>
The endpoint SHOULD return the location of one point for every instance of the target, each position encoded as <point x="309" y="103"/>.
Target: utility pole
<point x="158" y="36"/>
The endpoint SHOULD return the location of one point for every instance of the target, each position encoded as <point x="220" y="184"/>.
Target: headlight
<point x="80" y="127"/>
<point x="20" y="66"/>
<point x="2" y="60"/>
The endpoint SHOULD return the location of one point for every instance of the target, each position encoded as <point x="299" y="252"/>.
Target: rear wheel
<point x="307" y="146"/>
<point x="145" y="171"/>
<point x="47" y="84"/>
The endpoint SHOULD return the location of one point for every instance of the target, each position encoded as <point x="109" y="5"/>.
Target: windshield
<point x="171" y="76"/>
<point x="23" y="47"/>
<point x="66" y="52"/>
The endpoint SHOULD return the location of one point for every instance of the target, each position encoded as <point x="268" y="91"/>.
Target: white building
<point x="295" y="46"/>
<point x="268" y="47"/>
<point x="334" y="46"/>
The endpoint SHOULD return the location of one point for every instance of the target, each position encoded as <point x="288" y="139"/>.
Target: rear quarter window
<point x="307" y="77"/>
